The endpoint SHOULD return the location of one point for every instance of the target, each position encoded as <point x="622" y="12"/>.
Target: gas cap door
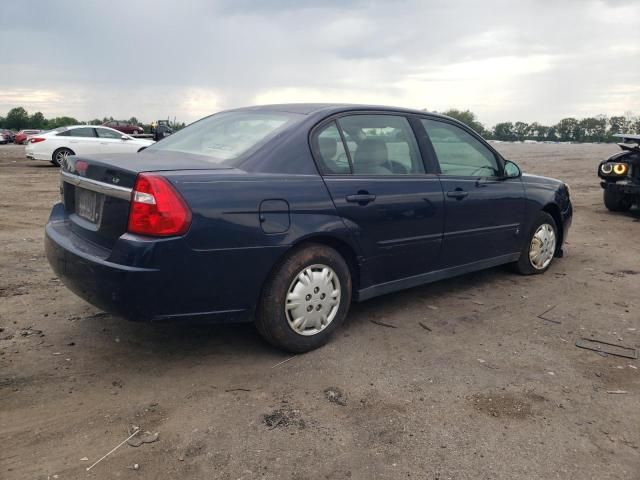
<point x="274" y="216"/>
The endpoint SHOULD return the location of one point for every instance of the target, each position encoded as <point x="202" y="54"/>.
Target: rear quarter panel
<point x="233" y="249"/>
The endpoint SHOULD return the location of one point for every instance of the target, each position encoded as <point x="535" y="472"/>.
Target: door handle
<point x="458" y="194"/>
<point x="361" y="198"/>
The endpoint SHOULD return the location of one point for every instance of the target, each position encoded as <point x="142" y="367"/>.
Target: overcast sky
<point x="533" y="60"/>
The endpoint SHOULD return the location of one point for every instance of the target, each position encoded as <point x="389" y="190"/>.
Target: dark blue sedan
<point x="284" y="214"/>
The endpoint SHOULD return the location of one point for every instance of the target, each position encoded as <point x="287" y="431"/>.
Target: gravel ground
<point x="470" y="383"/>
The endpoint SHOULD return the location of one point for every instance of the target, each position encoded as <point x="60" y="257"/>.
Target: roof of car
<point x="309" y="108"/>
<point x="68" y="127"/>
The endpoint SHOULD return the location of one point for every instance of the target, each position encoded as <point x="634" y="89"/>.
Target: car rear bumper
<point x="625" y="187"/>
<point x="152" y="279"/>
<point x="31" y="155"/>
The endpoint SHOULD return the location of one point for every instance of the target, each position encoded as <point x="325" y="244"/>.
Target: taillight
<point x="157" y="209"/>
<point x="36" y="139"/>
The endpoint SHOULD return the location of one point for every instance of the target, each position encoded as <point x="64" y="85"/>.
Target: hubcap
<point x="313" y="300"/>
<point x="543" y="247"/>
<point x="61" y="156"/>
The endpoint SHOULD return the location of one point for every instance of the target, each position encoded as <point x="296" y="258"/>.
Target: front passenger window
<point x="104" y="133"/>
<point x="458" y="152"/>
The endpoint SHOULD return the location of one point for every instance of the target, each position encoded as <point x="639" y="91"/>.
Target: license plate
<point x="87" y="205"/>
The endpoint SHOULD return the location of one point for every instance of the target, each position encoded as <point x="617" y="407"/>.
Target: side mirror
<point x="511" y="170"/>
<point x="125" y="137"/>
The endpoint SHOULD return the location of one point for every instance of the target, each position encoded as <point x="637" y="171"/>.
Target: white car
<point x="55" y="145"/>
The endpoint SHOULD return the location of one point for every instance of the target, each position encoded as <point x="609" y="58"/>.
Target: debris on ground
<point x="29" y="331"/>
<point x="601" y="346"/>
<point x="335" y="395"/>
<point x="113" y="449"/>
<point x="238" y="390"/>
<point x="284" y="361"/>
<point x="484" y="363"/>
<point x="146" y="437"/>
<point x="382" y="324"/>
<point x="547" y="319"/>
<point x="425" y="326"/>
<point x="617" y="392"/>
<point x="283" y="418"/>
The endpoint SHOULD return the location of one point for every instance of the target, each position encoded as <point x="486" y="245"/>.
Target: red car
<point x="22" y="135"/>
<point x="125" y="127"/>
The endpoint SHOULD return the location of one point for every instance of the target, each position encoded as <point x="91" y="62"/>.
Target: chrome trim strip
<point x="95" y="186"/>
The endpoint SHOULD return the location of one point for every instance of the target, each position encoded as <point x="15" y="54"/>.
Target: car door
<point x="484" y="211"/>
<point x="111" y="141"/>
<point x="375" y="174"/>
<point x="83" y="140"/>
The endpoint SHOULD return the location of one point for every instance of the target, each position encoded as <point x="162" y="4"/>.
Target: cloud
<point x="530" y="60"/>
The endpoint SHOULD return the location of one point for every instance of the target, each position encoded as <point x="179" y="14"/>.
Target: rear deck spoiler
<point x="629" y="139"/>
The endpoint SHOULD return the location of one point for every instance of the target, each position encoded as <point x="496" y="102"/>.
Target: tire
<point x="59" y="155"/>
<point x="305" y="273"/>
<point x="546" y="246"/>
<point x="617" y="202"/>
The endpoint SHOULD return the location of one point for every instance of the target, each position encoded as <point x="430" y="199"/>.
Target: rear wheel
<point x="539" y="251"/>
<point x="617" y="202"/>
<point x="305" y="300"/>
<point x="60" y="155"/>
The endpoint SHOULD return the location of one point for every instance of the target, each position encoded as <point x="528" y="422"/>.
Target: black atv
<point x="620" y="174"/>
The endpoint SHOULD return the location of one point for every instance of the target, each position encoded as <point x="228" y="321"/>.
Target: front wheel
<point x="617" y="202"/>
<point x="538" y="252"/>
<point x="305" y="299"/>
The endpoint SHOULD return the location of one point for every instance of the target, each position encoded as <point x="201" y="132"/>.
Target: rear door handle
<point x="361" y="198"/>
<point x="457" y="194"/>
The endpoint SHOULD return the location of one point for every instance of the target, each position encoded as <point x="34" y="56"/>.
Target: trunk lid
<point x="96" y="190"/>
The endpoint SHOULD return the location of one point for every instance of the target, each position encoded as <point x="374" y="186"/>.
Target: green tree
<point x="96" y="121"/>
<point x="504" y="131"/>
<point x="591" y="129"/>
<point x="467" y="117"/>
<point x="37" y="121"/>
<point x="521" y="130"/>
<point x="62" y="122"/>
<point x="133" y="121"/>
<point x="617" y="124"/>
<point x="17" y="119"/>
<point x="538" y="132"/>
<point x="566" y="129"/>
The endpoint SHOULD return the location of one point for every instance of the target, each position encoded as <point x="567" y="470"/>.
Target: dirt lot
<point x="489" y="390"/>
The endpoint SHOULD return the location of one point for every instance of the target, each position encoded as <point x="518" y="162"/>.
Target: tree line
<point x="18" y="119"/>
<point x="591" y="129"/>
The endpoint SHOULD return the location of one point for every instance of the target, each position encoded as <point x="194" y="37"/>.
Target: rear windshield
<point x="225" y="137"/>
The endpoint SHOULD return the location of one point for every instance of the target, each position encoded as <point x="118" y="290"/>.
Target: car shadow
<point x="174" y="340"/>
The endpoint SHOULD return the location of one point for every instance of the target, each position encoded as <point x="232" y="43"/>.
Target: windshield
<point x="226" y="136"/>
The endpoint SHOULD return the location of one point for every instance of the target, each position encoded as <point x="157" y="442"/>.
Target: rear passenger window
<point x="381" y="145"/>
<point x="458" y="152"/>
<point x="82" y="132"/>
<point x="330" y="148"/>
